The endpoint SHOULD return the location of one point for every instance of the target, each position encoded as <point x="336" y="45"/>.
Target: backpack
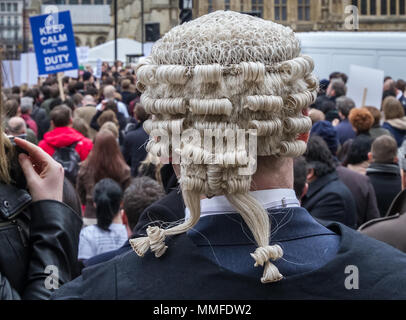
<point x="69" y="159"/>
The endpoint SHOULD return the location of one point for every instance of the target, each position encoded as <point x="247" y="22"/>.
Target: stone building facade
<point x="129" y="17"/>
<point x="317" y="15"/>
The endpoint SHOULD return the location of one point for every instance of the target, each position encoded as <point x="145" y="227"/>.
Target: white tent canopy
<point x="125" y="47"/>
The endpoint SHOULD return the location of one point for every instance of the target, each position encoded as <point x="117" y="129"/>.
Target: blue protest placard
<point x="54" y="42"/>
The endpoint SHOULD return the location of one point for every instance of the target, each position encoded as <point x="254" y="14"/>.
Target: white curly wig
<point x="226" y="71"/>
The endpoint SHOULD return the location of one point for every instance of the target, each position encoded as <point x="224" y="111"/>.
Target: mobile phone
<point x="17" y="148"/>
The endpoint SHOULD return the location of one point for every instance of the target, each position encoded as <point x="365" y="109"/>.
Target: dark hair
<point x="46" y="92"/>
<point x="299" y="173"/>
<point x="140" y="194"/>
<point x="79" y="86"/>
<point x="10" y="108"/>
<point x="319" y="157"/>
<point x="107" y="195"/>
<point x="359" y="149"/>
<point x="53" y="92"/>
<point x="140" y="113"/>
<point x="111" y="105"/>
<point x="71" y="198"/>
<point x="92" y="91"/>
<point x="16" y="90"/>
<point x="55" y="102"/>
<point x="324" y="104"/>
<point x="401" y="85"/>
<point x="376" y="114"/>
<point x="61" y="116"/>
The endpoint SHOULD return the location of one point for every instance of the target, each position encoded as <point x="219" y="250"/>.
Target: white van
<point x="335" y="51"/>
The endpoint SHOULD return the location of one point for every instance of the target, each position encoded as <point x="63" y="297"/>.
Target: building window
<point x="8" y="7"/>
<point x="402" y="7"/>
<point x="74" y="2"/>
<point x="364" y="8"/>
<point x="384" y="8"/>
<point x="86" y="2"/>
<point x="241" y="5"/>
<point x="210" y="6"/>
<point x="372" y="6"/>
<point x="15" y="7"/>
<point x="303" y="10"/>
<point x="280" y="10"/>
<point x="226" y="4"/>
<point x="392" y="7"/>
<point x="3" y="7"/>
<point x="98" y="1"/>
<point x="257" y="5"/>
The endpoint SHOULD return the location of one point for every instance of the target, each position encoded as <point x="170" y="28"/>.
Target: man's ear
<point x="370" y="158"/>
<point x="70" y="122"/>
<point x="310" y="175"/>
<point x="305" y="189"/>
<point x="395" y="160"/>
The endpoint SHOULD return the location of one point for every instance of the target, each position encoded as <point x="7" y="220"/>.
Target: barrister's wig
<point x="226" y="71"/>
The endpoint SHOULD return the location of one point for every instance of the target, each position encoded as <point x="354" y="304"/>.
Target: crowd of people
<point x="112" y="189"/>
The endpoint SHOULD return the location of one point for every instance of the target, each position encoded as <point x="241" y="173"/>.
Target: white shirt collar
<point x="399" y="94"/>
<point x="269" y="199"/>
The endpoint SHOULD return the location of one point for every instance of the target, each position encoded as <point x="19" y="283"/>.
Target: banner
<point x="54" y="42"/>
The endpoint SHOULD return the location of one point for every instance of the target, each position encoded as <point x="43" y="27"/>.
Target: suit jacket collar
<point x="320" y="182"/>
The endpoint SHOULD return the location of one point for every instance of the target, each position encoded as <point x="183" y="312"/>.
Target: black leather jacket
<point x="34" y="235"/>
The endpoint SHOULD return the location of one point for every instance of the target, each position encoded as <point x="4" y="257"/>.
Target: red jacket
<point x="63" y="137"/>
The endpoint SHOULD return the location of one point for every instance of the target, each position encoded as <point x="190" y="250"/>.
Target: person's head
<point x="81" y="125"/>
<point x="390" y="85"/>
<point x="54" y="92"/>
<point x="112" y="127"/>
<point x="111" y="105"/>
<point x="140" y="194"/>
<point x="107" y="116"/>
<point x="376" y="114"/>
<point x="361" y="120"/>
<point x="338" y="75"/>
<point x="88" y="77"/>
<point x="384" y="149"/>
<point x="105" y="160"/>
<point x="139" y="113"/>
<point x="401" y="85"/>
<point x="319" y="159"/>
<point x="77" y="100"/>
<point x="336" y="88"/>
<point x="325" y="130"/>
<point x="324" y="104"/>
<point x="359" y="150"/>
<point x="11" y="108"/>
<point x="15" y="90"/>
<point x="107" y="197"/>
<point x="219" y="72"/>
<point x="16" y="126"/>
<point x="26" y="105"/>
<point x="109" y="92"/>
<point x="88" y="101"/>
<point x="300" y="174"/>
<point x="125" y="85"/>
<point x="392" y="108"/>
<point x="61" y="116"/>
<point x="316" y="115"/>
<point x="344" y="106"/>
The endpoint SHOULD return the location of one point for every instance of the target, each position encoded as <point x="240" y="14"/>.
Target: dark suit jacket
<point x="134" y="148"/>
<point x="363" y="193"/>
<point x="329" y="199"/>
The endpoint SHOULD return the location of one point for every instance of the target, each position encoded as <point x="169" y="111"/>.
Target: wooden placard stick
<point x="60" y="85"/>
<point x="364" y="97"/>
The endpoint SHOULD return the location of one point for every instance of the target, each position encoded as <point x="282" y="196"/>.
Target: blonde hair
<point x="110" y="126"/>
<point x="226" y="71"/>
